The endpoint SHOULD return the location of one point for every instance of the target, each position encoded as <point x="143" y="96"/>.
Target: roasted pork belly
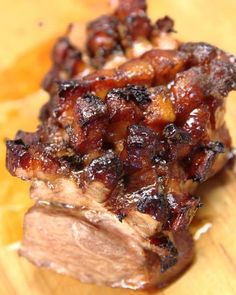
<point x="134" y="123"/>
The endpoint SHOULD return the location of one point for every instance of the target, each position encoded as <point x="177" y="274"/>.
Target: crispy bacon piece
<point x="133" y="124"/>
<point x="103" y="39"/>
<point x="67" y="61"/>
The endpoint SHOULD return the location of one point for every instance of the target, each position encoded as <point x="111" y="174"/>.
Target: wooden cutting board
<point x="27" y="31"/>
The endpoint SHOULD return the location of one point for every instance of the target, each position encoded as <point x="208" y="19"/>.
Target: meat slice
<point x="120" y="150"/>
<point x="95" y="246"/>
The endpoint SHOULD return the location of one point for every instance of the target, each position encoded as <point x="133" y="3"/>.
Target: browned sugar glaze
<point x="143" y="124"/>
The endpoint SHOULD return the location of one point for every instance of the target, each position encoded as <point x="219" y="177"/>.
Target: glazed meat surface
<point x="135" y="121"/>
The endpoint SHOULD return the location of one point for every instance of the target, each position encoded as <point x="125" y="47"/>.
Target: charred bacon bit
<point x="165" y="24"/>
<point x="202" y="160"/>
<point x="159" y="160"/>
<point x="134" y="71"/>
<point x="140" y="147"/>
<point x="203" y="53"/>
<point x="64" y="53"/>
<point x="49" y="81"/>
<point x="107" y="169"/>
<point x="179" y="142"/>
<point x="25" y="138"/>
<point x="137" y="94"/>
<point x="103" y="39"/>
<point x="153" y="204"/>
<point x="123" y="111"/>
<point x="89" y="108"/>
<point x="75" y="162"/>
<point x="67" y="62"/>
<point x="182" y="210"/>
<point x="202" y="163"/>
<point x="125" y="197"/>
<point x="121" y="216"/>
<point x="216" y="146"/>
<point x="88" y="127"/>
<point x="136" y="26"/>
<point x="17" y="156"/>
<point x="125" y="108"/>
<point x="66" y="86"/>
<point x="169" y="253"/>
<point x="222" y="78"/>
<point x="176" y="135"/>
<point x="127" y="7"/>
<point x="34" y="160"/>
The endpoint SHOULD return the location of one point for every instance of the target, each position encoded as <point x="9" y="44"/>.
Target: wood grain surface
<point x="27" y="31"/>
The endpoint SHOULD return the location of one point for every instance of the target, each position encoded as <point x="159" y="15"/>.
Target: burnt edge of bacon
<point x="170" y="255"/>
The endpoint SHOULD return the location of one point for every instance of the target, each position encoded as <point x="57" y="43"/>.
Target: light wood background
<point x="27" y="31"/>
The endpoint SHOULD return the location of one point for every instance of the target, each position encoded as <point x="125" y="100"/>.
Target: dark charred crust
<point x="216" y="146"/>
<point x="126" y="7"/>
<point x="75" y="162"/>
<point x="89" y="108"/>
<point x="121" y="216"/>
<point x="170" y="256"/>
<point x="140" y="147"/>
<point x="153" y="204"/>
<point x="135" y="26"/>
<point x="63" y="51"/>
<point x="157" y="160"/>
<point x="182" y="210"/>
<point x="66" y="61"/>
<point x="138" y="94"/>
<point x="19" y="141"/>
<point x="176" y="135"/>
<point x="167" y="262"/>
<point x="165" y="24"/>
<point x="108" y="169"/>
<point x="200" y="162"/>
<point x="141" y="137"/>
<point x="103" y="39"/>
<point x="223" y="78"/>
<point x="165" y="243"/>
<point x="66" y="86"/>
<point x="17" y="155"/>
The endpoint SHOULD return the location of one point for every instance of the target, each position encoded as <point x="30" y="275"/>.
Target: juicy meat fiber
<point x="133" y="124"/>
